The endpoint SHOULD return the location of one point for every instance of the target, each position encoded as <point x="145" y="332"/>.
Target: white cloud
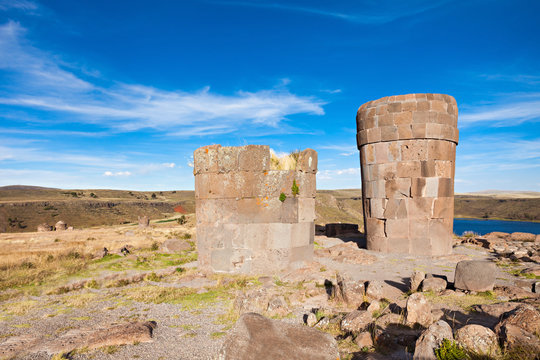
<point x="24" y="5"/>
<point x="41" y="82"/>
<point x="509" y="114"/>
<point x="169" y="165"/>
<point x="333" y="174"/>
<point x="118" y="173"/>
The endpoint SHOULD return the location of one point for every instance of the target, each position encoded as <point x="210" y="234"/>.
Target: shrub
<point x="450" y="350"/>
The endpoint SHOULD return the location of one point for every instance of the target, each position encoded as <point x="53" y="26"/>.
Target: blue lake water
<point x="483" y="227"/>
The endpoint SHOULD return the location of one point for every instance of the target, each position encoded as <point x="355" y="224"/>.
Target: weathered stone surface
<point x="256" y="337"/>
<point x="144" y="221"/>
<point x="434" y="284"/>
<point x="475" y="275"/>
<point x="416" y="279"/>
<point x="311" y="319"/>
<point x="44" y="228"/>
<point x="479" y="339"/>
<point x="519" y="342"/>
<point x="253" y="215"/>
<point x="377" y="290"/>
<point x="255" y="300"/>
<point x="525" y="316"/>
<point x="522" y="236"/>
<point x="356" y="321"/>
<point x="349" y="291"/>
<point x="419" y="310"/>
<point x="431" y="339"/>
<point x="495" y="310"/>
<point x="172" y="246"/>
<point x="407" y="153"/>
<point x="60" y="226"/>
<point x="364" y="340"/>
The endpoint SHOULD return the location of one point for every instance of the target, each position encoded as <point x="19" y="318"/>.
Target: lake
<point x="483" y="227"/>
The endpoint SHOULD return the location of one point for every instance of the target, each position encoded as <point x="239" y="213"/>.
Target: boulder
<point x="374" y="306"/>
<point x="311" y="319"/>
<point x="356" y="321"/>
<point x="522" y="236"/>
<point x="434" y="284"/>
<point x="172" y="246"/>
<point x="416" y="279"/>
<point x="475" y="275"/>
<point x="431" y="339"/>
<point x="44" y="228"/>
<point x="495" y="310"/>
<point x="255" y="300"/>
<point x="144" y="221"/>
<point x="256" y="337"/>
<point x="60" y="226"/>
<point x="511" y="292"/>
<point x="525" y="316"/>
<point x="377" y="290"/>
<point x="277" y="306"/>
<point x="418" y="310"/>
<point x="479" y="339"/>
<point x="364" y="340"/>
<point x="349" y="291"/>
<point x="532" y="270"/>
<point x="519" y="343"/>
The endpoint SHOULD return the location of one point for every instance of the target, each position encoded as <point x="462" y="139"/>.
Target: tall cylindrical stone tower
<point x="251" y="217"/>
<point x="407" y="149"/>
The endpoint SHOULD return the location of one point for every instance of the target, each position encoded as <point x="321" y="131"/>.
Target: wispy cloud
<point x="515" y="78"/>
<point x="345" y="150"/>
<point x="41" y="82"/>
<point x="23" y="5"/>
<point x="385" y="12"/>
<point x="118" y="173"/>
<point x="508" y="114"/>
<point x="332" y="174"/>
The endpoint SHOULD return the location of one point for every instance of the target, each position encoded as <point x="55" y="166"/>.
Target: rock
<point x="256" y="337"/>
<point x="322" y="323"/>
<point x="60" y="226"/>
<point x="374" y="306"/>
<point x="434" y="284"/>
<point x="431" y="339"/>
<point x="364" y="340"/>
<point x="356" y="321"/>
<point x="112" y="335"/>
<point x="479" y="339"/>
<point x="144" y="221"/>
<point x="497" y="235"/>
<point x="172" y="246"/>
<point x="521" y="253"/>
<point x="311" y="319"/>
<point x="349" y="291"/>
<point x="512" y="292"/>
<point x="522" y="236"/>
<point x="537" y="239"/>
<point x="536" y="287"/>
<point x="277" y="306"/>
<point x="44" y="227"/>
<point x="533" y="270"/>
<point x="527" y="285"/>
<point x="495" y="310"/>
<point x="418" y="310"/>
<point x="255" y="300"/>
<point x="416" y="279"/>
<point x="519" y="342"/>
<point x="347" y="253"/>
<point x="378" y="290"/>
<point x="475" y="275"/>
<point x="525" y="316"/>
<point x="387" y="319"/>
<point x="394" y="337"/>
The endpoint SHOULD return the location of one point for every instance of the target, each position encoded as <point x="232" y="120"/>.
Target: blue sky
<point x="118" y="94"/>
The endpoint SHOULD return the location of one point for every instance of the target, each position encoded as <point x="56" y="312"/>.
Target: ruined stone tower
<point x="250" y="217"/>
<point x="407" y="149"/>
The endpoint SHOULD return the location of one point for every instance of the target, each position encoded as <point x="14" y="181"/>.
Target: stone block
<point x="262" y="210"/>
<point x="420" y="208"/>
<point x="205" y="159"/>
<point x="385" y="120"/>
<point x="389" y="133"/>
<point x="427" y="168"/>
<point x="216" y="211"/>
<point x="419" y="131"/>
<point x="257" y="236"/>
<point x="227" y="159"/>
<point x="306" y="210"/>
<point x="420" y="117"/>
<point x="432" y="187"/>
<point x="381" y="152"/>
<point x="397" y="228"/>
<point x="475" y="275"/>
<point x="220" y="260"/>
<point x="434" y="131"/>
<point x="377" y="243"/>
<point x="446" y="187"/>
<point x="371" y="121"/>
<point x="308" y="161"/>
<point x="375" y="227"/>
<point x="403" y="118"/>
<point x="398" y="188"/>
<point x="419" y="228"/>
<point x="279" y="235"/>
<point x="443" y="207"/>
<point x="422" y="106"/>
<point x="443" y="168"/>
<point x="254" y="158"/>
<point x="377" y="207"/>
<point x="394" y="151"/>
<point x="399" y="245"/>
<point x="386" y="171"/>
<point x="369" y="153"/>
<point x="396" y="209"/>
<point x="373" y="135"/>
<point x="302" y="253"/>
<point x="361" y="137"/>
<point x="382" y="109"/>
<point x="236" y="234"/>
<point x="409" y="106"/>
<point x="414" y="150"/>
<point x="288" y="209"/>
<point x="394" y="107"/>
<point x="302" y="233"/>
<point x="404" y="132"/>
<point x="408" y="169"/>
<point x="420" y="245"/>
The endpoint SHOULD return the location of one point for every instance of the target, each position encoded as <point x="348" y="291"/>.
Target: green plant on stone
<point x="450" y="350"/>
<point x="182" y="220"/>
<point x="282" y="197"/>
<point x="295" y="189"/>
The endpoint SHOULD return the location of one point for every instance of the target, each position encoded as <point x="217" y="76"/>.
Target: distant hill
<point x="22" y="208"/>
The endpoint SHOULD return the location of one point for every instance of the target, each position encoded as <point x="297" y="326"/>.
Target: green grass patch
<point x="187" y="297"/>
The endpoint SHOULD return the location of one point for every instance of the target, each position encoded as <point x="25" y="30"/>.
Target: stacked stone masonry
<point x="242" y="224"/>
<point x="407" y="149"/>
